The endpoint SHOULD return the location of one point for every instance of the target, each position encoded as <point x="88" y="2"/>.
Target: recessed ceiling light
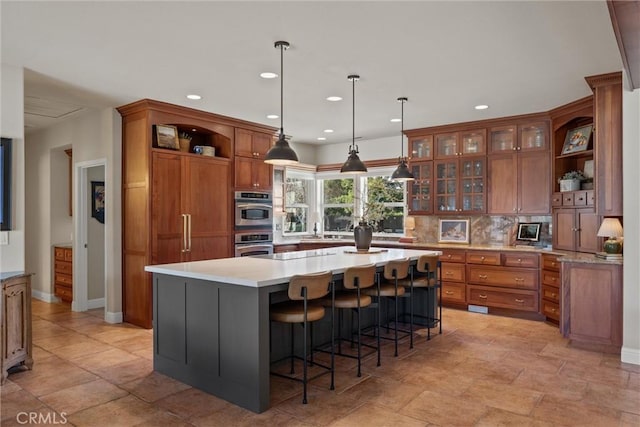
<point x="272" y="116"/>
<point x="395" y="120"/>
<point x="268" y="75"/>
<point x="481" y="107"/>
<point x="334" y="98"/>
<point x="328" y="131"/>
<point x="321" y="138"/>
<point x="194" y="96"/>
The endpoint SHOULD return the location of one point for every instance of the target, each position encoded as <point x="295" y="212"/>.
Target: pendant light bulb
<point x="402" y="172"/>
<point x="353" y="165"/>
<point x="281" y="153"/>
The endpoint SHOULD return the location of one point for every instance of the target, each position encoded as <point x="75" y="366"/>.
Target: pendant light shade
<point x="402" y="172"/>
<point x="353" y="164"/>
<point x="281" y="153"/>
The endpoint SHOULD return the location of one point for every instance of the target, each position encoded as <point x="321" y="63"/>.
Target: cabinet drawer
<point x="59" y="253"/>
<point x="580" y="198"/>
<point x="551" y="278"/>
<point x="550" y="262"/>
<point x="521" y="260"/>
<point x="591" y="199"/>
<point x="65" y="293"/>
<point x="454" y="292"/>
<point x="556" y="199"/>
<point x="452" y="272"/>
<point x="567" y="198"/>
<point x="64" y="267"/>
<point x="504" y="298"/>
<point x="551" y="294"/>
<point x="486" y="258"/>
<point x="509" y="277"/>
<point x="551" y="310"/>
<point x="452" y="256"/>
<point x="63" y="279"/>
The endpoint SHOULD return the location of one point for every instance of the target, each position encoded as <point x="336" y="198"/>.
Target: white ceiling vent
<point x="48" y="108"/>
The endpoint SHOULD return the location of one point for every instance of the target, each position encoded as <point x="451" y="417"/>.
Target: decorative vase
<point x="363" y="233"/>
<point x="185" y="144"/>
<point x="569" y="185"/>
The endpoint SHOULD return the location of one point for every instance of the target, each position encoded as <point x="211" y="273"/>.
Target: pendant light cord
<point x="353" y="117"/>
<point x="402" y="129"/>
<point x="281" y="89"/>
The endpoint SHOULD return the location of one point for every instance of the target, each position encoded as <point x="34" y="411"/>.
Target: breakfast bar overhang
<point x="211" y="318"/>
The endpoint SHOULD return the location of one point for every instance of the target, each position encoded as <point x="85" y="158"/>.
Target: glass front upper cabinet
<point x="503" y="139"/>
<point x="532" y="137"/>
<point x="464" y="143"/>
<point x="421" y="148"/>
<point x="447" y="186"/>
<point x="472" y="184"/>
<point x="447" y="145"/>
<point x="473" y="142"/>
<point x="420" y="189"/>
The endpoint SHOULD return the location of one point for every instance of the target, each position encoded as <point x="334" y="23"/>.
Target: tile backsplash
<point x="485" y="229"/>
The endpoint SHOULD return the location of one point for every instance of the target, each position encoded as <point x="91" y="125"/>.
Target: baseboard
<point x="630" y="355"/>
<point x="111" y="317"/>
<point x="95" y="303"/>
<point x="44" y="296"/>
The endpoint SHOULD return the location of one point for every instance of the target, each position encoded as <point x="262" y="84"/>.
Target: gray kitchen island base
<point x="214" y="337"/>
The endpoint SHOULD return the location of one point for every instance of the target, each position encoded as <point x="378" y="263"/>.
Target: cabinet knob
<point x="482" y="258"/>
<point x="553" y="294"/>
<point x="553" y="310"/>
<point x="514" y="148"/>
<point x="519" y="259"/>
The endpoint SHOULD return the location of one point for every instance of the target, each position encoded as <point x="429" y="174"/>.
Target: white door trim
<point x="80" y="267"/>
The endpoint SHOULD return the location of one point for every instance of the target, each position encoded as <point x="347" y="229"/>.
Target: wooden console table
<point x="15" y="321"/>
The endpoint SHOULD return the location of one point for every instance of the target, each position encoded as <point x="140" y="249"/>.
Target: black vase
<point x="363" y="233"/>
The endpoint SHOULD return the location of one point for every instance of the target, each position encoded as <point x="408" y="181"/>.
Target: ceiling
<point x="446" y="57"/>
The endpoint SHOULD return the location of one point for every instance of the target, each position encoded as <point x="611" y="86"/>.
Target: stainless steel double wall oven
<point x="253" y="223"/>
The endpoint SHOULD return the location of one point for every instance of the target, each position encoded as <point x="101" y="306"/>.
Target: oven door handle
<point x="254" y="205"/>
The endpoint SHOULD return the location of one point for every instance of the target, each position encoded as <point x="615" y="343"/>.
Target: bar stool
<point x="355" y="281"/>
<point x="394" y="272"/>
<point x="427" y="279"/>
<point x="304" y="288"/>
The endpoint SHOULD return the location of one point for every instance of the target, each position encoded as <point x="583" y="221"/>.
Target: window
<point x="298" y="195"/>
<point x="342" y="202"/>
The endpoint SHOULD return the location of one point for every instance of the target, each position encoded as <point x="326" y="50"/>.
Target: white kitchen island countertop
<point x="266" y="270"/>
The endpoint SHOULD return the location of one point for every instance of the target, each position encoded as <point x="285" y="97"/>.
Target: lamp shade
<point x="610" y="227"/>
<point x="402" y="172"/>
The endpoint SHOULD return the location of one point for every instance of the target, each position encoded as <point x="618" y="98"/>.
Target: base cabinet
<point x="576" y="230"/>
<point x="550" y="288"/>
<point x="592" y="303"/>
<point x="63" y="273"/>
<point x="16" y="323"/>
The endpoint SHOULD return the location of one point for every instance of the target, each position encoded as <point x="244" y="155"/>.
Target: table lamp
<point x="315" y="218"/>
<point x="612" y="229"/>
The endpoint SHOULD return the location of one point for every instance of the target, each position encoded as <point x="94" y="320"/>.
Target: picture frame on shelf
<point x="577" y="140"/>
<point x="453" y="231"/>
<point x="529" y="231"/>
<point x="167" y="136"/>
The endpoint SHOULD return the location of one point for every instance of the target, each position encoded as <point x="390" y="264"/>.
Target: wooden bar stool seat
<point x="304" y="292"/>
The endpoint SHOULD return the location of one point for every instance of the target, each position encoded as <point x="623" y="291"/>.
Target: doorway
<point x="89" y="246"/>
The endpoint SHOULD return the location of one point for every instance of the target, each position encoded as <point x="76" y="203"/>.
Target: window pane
<point x="297" y="191"/>
<point x="338" y="219"/>
<point x="296" y="220"/>
<point x="392" y="221"/>
<point x="382" y="189"/>
<point x="338" y="191"/>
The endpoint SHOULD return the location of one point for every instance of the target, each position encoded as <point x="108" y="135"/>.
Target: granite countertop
<point x="565" y="256"/>
<point x="265" y="270"/>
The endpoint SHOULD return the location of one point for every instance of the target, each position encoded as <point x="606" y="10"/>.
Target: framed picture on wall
<point x="577" y="140"/>
<point x="97" y="200"/>
<point x="453" y="230"/>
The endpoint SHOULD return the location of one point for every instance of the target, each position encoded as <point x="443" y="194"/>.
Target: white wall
<point x="12" y="256"/>
<point x="94" y="134"/>
<point x="631" y="179"/>
<point x="382" y="148"/>
<point x="95" y="239"/>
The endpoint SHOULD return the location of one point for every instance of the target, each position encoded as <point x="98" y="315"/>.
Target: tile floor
<point x="482" y="371"/>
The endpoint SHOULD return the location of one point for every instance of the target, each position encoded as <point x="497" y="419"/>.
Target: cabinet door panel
<point x="167" y="222"/>
<point x="263" y="175"/>
<point x="453" y="272"/>
<point x="587" y="223"/>
<point x="454" y="292"/>
<point x="243" y="175"/>
<point x="261" y="143"/>
<point x="564" y="235"/>
<point x="534" y="170"/>
<point x="502" y="185"/>
<point x="243" y="143"/>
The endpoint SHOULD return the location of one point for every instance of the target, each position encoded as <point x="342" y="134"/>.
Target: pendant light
<point x="353" y="164"/>
<point x="402" y="172"/>
<point x="281" y="153"/>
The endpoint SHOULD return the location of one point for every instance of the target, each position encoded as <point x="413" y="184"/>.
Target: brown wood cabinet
<point x="550" y="287"/>
<point x="15" y="319"/>
<point x="460" y="185"/>
<point x="173" y="201"/>
<point x="592" y="303"/>
<point x="251" y="172"/>
<point x="420" y="190"/>
<point x="512" y="284"/>
<point x="280" y="248"/>
<point x="63" y="273"/>
<point x="576" y="229"/>
<point x="453" y="276"/>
